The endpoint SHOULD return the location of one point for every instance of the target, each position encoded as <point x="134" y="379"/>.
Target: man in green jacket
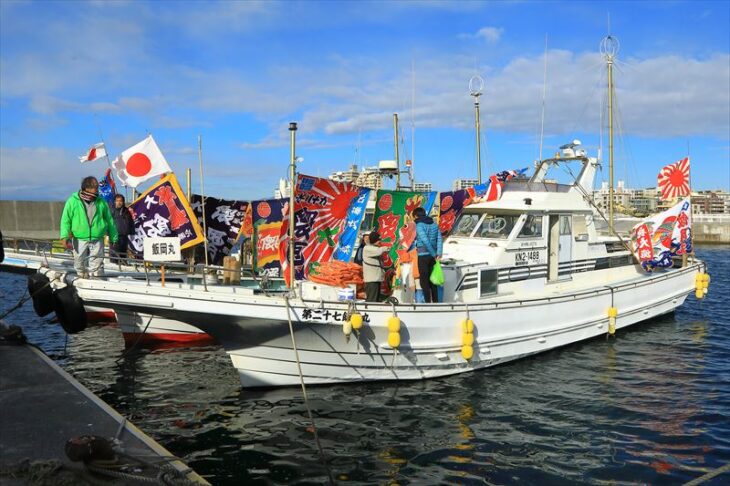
<point x="86" y="219"/>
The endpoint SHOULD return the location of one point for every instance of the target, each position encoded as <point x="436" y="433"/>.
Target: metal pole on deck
<point x="292" y="185"/>
<point x="397" y="155"/>
<point x="202" y="197"/>
<point x="609" y="49"/>
<point x="476" y="85"/>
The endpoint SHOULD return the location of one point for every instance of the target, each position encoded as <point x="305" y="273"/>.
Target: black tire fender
<point x="70" y="309"/>
<point x="40" y="290"/>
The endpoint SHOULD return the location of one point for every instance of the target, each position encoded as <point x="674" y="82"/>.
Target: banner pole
<point x="292" y="185"/>
<point x="202" y="198"/>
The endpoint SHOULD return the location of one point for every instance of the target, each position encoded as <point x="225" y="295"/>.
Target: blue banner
<point x="107" y="188"/>
<point x="348" y="239"/>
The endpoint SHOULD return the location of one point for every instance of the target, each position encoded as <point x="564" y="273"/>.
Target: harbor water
<point x="650" y="406"/>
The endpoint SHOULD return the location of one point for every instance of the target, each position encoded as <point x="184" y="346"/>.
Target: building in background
<point x="422" y="187"/>
<point x="460" y="184"/>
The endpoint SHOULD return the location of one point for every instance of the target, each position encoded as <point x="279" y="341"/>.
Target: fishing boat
<point x="523" y="274"/>
<point x="135" y="328"/>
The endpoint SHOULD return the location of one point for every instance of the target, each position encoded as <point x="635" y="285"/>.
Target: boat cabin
<point x="539" y="233"/>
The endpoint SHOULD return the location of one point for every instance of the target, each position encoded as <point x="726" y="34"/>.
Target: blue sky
<point x="237" y="72"/>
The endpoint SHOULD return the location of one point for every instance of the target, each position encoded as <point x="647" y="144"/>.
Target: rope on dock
<point x="709" y="475"/>
<point x="304" y="389"/>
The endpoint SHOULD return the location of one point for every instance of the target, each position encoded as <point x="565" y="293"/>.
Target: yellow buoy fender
<point x="699" y="293"/>
<point x="612" y="312"/>
<point x="393" y="324"/>
<point x="467" y="326"/>
<point x="356" y="320"/>
<point x="467" y="339"/>
<point x="393" y="339"/>
<point x="467" y="352"/>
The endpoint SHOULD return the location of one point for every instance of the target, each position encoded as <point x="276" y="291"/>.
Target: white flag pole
<point x="202" y="196"/>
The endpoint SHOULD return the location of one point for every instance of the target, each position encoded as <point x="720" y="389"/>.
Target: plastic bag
<point x="437" y="275"/>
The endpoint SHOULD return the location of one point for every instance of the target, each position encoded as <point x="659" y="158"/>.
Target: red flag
<point x="673" y="179"/>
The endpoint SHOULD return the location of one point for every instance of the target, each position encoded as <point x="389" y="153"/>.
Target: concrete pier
<point x="42" y="407"/>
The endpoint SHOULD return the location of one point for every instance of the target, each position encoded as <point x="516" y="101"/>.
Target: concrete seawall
<point x="30" y="219"/>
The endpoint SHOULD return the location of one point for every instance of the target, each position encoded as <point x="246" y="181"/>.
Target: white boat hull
<point x="254" y="329"/>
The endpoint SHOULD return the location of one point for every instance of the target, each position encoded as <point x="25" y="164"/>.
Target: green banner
<point x="394" y="223"/>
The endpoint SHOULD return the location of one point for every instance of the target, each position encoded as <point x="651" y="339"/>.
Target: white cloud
<point x="41" y="172"/>
<point x="487" y="34"/>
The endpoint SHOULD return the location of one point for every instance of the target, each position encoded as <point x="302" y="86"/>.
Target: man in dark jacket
<point x="125" y="227"/>
<point x="429" y="246"/>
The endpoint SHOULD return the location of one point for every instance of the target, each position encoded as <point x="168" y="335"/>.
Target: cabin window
<point x="466" y="224"/>
<point x="488" y="282"/>
<point x="532" y="227"/>
<point x="565" y="226"/>
<point x="581" y="229"/>
<point x="496" y="226"/>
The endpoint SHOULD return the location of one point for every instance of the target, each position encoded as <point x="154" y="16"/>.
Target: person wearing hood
<point x="86" y="220"/>
<point x="125" y="227"/>
<point x="429" y="246"/>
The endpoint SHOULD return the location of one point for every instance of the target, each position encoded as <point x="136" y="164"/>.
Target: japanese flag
<point x="141" y="162"/>
<point x="95" y="152"/>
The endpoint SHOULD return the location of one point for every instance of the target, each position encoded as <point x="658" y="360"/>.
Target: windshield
<point x="496" y="226"/>
<point x="466" y="224"/>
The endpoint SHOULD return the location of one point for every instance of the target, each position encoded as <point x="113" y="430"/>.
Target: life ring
<point x="39" y="287"/>
<point x="69" y="309"/>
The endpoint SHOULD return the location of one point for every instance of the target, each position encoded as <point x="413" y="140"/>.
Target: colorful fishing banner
<point x="223" y="220"/>
<point x="452" y="203"/>
<point x="395" y="225"/>
<point x="664" y="236"/>
<point x="348" y="238"/>
<point x="163" y="210"/>
<point x="265" y="228"/>
<point x="321" y="208"/>
<point x="107" y="188"/>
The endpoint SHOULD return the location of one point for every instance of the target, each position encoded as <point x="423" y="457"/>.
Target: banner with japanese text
<point x="321" y="208"/>
<point x="395" y="225"/>
<point x="163" y="210"/>
<point x="656" y="240"/>
<point x="348" y="239"/>
<point x="266" y="219"/>
<point x="223" y="219"/>
<point x="452" y="203"/>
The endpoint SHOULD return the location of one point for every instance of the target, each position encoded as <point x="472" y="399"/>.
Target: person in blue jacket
<point x="430" y="247"/>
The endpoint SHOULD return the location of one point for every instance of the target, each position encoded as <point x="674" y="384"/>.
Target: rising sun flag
<point x="673" y="179"/>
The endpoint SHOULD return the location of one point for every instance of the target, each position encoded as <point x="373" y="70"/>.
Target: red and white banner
<point x="140" y="163"/>
<point x="96" y="152"/>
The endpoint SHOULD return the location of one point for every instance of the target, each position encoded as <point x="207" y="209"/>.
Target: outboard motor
<point x="39" y="287"/>
<point x="69" y="309"/>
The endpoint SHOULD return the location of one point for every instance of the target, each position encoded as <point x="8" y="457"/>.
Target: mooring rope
<point x="25" y="298"/>
<point x="304" y="389"/>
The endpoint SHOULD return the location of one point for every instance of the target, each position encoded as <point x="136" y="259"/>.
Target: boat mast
<point x="476" y="85"/>
<point x="609" y="49"/>
<point x="292" y="183"/>
<point x="397" y="157"/>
